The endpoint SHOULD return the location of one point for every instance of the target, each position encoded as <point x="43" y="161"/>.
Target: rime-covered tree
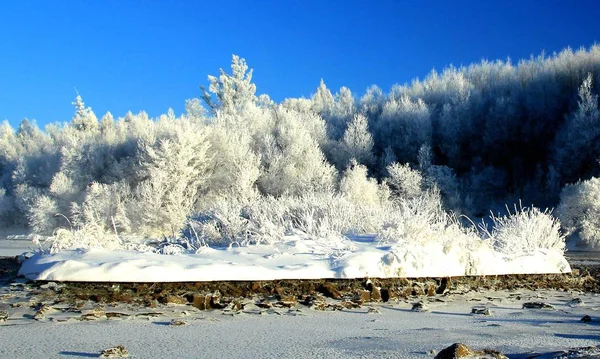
<point x="233" y="92"/>
<point x="357" y="142"/>
<point x="578" y="143"/>
<point x="84" y="119"/>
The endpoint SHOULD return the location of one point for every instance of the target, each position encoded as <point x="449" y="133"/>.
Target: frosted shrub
<point x="526" y="231"/>
<point x="579" y="210"/>
<point x="422" y="220"/>
<point x="43" y="215"/>
<point x="357" y="187"/>
<point x="405" y="182"/>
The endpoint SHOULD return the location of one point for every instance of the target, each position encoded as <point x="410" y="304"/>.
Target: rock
<point x="288" y="301"/>
<point x="94" y="314"/>
<point x="576" y="302"/>
<point x="385" y="294"/>
<point x="264" y="303"/>
<point x="329" y="290"/>
<point x="431" y="290"/>
<point x="586" y="319"/>
<point x="419" y="307"/>
<point x="251" y="308"/>
<point x="178" y="322"/>
<point x="3" y="315"/>
<point x="373" y="310"/>
<point x="363" y="296"/>
<point x="537" y="305"/>
<point x="117" y="315"/>
<point x="459" y="350"/>
<point x="215" y="300"/>
<point x="43" y="309"/>
<point x="115" y="352"/>
<point x="443" y="286"/>
<point x="235" y="305"/>
<point x="376" y="294"/>
<point x="455" y="351"/>
<point x="173" y="299"/>
<point x="199" y="301"/>
<point x="418" y="289"/>
<point x="369" y="285"/>
<point x="490" y="354"/>
<point x="481" y="310"/>
<point x="348" y="304"/>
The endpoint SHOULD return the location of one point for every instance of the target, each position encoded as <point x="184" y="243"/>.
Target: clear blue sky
<point x="151" y="55"/>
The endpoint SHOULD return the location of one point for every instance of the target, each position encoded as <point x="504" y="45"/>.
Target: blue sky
<point x="153" y="54"/>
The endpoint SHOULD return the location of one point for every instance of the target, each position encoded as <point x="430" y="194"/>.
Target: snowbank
<point x="292" y="259"/>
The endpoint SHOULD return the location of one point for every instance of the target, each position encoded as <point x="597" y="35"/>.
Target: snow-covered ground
<point x="396" y="332"/>
<point x="295" y="258"/>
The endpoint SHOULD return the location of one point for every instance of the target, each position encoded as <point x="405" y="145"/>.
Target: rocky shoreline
<point x="220" y="294"/>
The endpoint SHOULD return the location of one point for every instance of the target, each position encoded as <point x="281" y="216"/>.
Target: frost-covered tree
<point x="578" y="144"/>
<point x="405" y="182"/>
<point x="292" y="161"/>
<point x="84" y="118"/>
<point x="358" y="187"/>
<point x="194" y="109"/>
<point x="357" y="143"/>
<point x="323" y="101"/>
<point x="404" y="126"/>
<point x="173" y="171"/>
<point x="579" y="210"/>
<point x="233" y="92"/>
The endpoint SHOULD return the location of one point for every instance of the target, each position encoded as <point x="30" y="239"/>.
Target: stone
<point x="419" y="307"/>
<point x="376" y="294"/>
<point x="417" y="289"/>
<point x="431" y="290"/>
<point x="264" y="303"/>
<point x="490" y="354"/>
<point x="288" y="301"/>
<point x="537" y="305"/>
<point x="94" y="314"/>
<point x="363" y="296"/>
<point x="373" y="310"/>
<point x="481" y="310"/>
<point x="198" y="301"/>
<point x="330" y="290"/>
<point x="173" y="299"/>
<point x="576" y="302"/>
<point x="115" y="352"/>
<point x="455" y="351"/>
<point x="178" y="323"/>
<point x="3" y="315"/>
<point x="117" y="315"/>
<point x="586" y="319"/>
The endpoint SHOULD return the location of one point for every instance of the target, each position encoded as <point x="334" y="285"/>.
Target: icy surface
<point x="397" y="332"/>
<point x="292" y="259"/>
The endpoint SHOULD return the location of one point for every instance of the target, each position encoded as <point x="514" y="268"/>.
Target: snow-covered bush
<point x="422" y="220"/>
<point x="292" y="161"/>
<point x="359" y="188"/>
<point x="405" y="182"/>
<point x="579" y="210"/>
<point x="526" y="231"/>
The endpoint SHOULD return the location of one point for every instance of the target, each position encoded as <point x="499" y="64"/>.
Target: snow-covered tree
<point x="579" y="210"/>
<point x="84" y="118"/>
<point x="578" y="144"/>
<point x="233" y="92"/>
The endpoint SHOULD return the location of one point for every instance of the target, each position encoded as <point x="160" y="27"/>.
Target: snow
<point x="304" y="333"/>
<point x="294" y="258"/>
